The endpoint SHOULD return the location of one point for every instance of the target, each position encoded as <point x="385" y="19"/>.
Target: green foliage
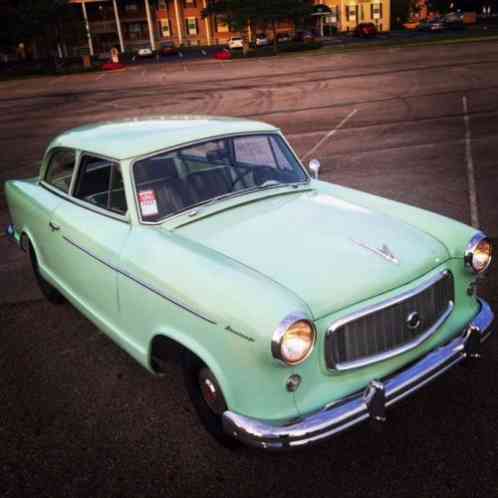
<point x="441" y="6"/>
<point x="401" y="10"/>
<point x="24" y="19"/>
<point x="240" y="12"/>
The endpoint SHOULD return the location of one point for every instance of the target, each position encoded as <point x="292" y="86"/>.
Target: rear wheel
<point x="207" y="398"/>
<point x="50" y="292"/>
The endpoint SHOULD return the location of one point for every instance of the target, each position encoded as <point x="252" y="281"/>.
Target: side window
<point x="60" y="169"/>
<point x="100" y="182"/>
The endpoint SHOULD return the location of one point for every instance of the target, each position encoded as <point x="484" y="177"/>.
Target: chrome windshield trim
<point x="363" y="362"/>
<point x="134" y="160"/>
<point x="138" y="281"/>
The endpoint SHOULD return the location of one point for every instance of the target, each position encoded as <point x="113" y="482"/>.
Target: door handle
<point x="53" y="226"/>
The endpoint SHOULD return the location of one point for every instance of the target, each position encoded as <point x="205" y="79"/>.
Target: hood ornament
<point x="384" y="251"/>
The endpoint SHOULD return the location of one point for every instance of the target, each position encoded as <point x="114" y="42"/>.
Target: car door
<point x="55" y="183"/>
<point x="92" y="227"/>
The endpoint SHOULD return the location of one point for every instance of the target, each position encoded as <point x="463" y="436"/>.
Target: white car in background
<point x="262" y="40"/>
<point x="144" y="52"/>
<point x="235" y="42"/>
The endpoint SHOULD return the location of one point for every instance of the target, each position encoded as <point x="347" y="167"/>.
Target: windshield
<point x="175" y="181"/>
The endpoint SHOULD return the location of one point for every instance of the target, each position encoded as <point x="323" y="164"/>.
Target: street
<point x="80" y="418"/>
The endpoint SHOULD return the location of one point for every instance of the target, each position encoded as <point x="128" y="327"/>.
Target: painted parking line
<point x="330" y="134"/>
<point x="471" y="179"/>
<point x="100" y="76"/>
<point x="58" y="79"/>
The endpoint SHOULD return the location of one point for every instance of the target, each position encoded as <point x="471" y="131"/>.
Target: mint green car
<point x="297" y="308"/>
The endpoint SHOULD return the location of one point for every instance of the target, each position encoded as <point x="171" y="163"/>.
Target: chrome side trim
<point x="139" y="281"/>
<point x="385" y="304"/>
<point x="240" y="334"/>
<point x="346" y="413"/>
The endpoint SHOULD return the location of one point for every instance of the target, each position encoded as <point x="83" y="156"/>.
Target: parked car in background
<point x="411" y="24"/>
<point x="283" y="37"/>
<point x="145" y="52"/>
<point x="223" y="55"/>
<point x="235" y="42"/>
<point x="304" y="36"/>
<point x="454" y="21"/>
<point x="296" y="308"/>
<point x="433" y="25"/>
<point x="365" y="30"/>
<point x="167" y="48"/>
<point x="261" y="40"/>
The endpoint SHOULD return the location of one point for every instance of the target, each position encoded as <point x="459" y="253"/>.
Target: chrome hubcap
<point x="210" y="393"/>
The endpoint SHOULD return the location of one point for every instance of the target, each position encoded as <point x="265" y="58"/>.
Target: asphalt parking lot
<point x="79" y="417"/>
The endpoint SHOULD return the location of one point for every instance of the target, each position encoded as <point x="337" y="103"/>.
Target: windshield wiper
<point x="237" y="193"/>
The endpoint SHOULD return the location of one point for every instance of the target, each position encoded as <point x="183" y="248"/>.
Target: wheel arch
<point x="25" y="239"/>
<point x="174" y="345"/>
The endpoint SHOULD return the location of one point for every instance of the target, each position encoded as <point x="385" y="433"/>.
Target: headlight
<point x="479" y="253"/>
<point x="294" y="339"/>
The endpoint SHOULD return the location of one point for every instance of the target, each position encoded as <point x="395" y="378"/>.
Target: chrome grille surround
<point x="382" y="331"/>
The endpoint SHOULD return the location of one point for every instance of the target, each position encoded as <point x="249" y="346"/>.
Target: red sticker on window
<point x="148" y="203"/>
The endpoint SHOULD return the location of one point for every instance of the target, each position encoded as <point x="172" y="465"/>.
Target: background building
<point x="345" y="15"/>
<point x="133" y="24"/>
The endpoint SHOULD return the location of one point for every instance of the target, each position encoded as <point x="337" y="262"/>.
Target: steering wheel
<point x="262" y="174"/>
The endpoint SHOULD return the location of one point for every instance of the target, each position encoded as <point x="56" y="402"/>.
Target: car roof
<point x="141" y="136"/>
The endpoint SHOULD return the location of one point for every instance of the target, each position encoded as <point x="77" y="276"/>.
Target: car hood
<point x="323" y="249"/>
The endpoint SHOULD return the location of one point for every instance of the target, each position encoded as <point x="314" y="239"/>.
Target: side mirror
<point x="314" y="166"/>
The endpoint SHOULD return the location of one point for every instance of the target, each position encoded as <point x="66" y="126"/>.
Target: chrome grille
<point x="390" y="328"/>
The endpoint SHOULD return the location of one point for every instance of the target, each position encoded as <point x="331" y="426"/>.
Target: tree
<point x="441" y="6"/>
<point x="243" y="13"/>
<point x="27" y="20"/>
<point x="402" y="10"/>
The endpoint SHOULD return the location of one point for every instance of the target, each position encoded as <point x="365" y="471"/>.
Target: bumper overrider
<point x="371" y="403"/>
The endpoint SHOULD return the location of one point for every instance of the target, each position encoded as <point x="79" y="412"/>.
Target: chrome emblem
<point x="384" y="251"/>
<point x="413" y="321"/>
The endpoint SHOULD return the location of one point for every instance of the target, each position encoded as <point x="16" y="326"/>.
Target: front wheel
<point x="51" y="293"/>
<point x="207" y="398"/>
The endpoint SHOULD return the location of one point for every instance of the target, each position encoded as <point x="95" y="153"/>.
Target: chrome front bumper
<point x="371" y="403"/>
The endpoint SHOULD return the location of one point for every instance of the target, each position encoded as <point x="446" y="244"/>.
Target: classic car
<point x="296" y="307"/>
